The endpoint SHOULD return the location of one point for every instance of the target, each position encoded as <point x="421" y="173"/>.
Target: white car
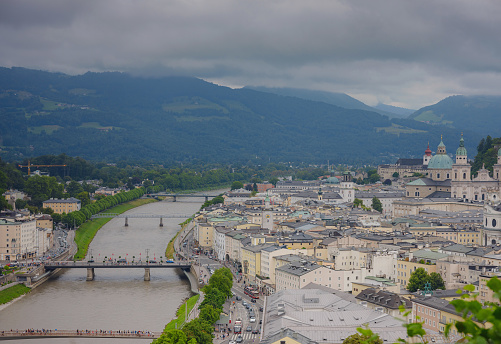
<point x="232" y="342"/>
<point x="252" y="320"/>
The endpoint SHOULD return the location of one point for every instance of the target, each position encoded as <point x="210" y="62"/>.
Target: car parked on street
<point x="248" y="329"/>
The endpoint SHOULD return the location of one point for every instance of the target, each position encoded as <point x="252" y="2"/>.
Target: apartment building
<point x="60" y="206"/>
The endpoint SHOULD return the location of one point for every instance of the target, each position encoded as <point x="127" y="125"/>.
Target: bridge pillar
<point x="146" y="274"/>
<point x="161" y="223"/>
<point x="90" y="274"/>
<point x="174" y="199"/>
<point x="206" y="198"/>
<point x="126" y="222"/>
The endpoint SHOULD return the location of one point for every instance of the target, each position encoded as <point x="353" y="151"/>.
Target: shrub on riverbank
<point x="13" y="292"/>
<point x="86" y="232"/>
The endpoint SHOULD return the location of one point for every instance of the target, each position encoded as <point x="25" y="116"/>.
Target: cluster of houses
<point x="301" y="237"/>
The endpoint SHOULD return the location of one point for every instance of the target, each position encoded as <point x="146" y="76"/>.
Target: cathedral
<point x="448" y="179"/>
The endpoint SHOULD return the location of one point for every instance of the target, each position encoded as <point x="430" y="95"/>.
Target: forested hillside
<point x="117" y="117"/>
<point x="480" y="114"/>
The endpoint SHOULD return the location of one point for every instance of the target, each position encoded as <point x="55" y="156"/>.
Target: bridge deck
<point x="108" y="265"/>
<point x="34" y="334"/>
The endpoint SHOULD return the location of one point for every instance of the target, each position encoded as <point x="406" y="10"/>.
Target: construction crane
<point x="29" y="166"/>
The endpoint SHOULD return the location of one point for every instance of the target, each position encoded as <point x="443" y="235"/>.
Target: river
<point x="117" y="299"/>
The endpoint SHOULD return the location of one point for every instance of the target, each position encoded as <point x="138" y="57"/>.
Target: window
<point x="494" y="222"/>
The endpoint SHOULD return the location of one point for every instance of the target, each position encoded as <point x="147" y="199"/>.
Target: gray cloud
<point x="409" y="53"/>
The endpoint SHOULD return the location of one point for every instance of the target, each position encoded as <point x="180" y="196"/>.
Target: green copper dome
<point x="461" y="151"/>
<point x="332" y="180"/>
<point x="440" y="161"/>
<point x="499" y="152"/>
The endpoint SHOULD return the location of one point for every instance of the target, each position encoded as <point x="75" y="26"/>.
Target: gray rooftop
<point x="324" y="317"/>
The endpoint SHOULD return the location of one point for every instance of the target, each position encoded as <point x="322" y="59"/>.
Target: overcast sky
<point x="404" y="53"/>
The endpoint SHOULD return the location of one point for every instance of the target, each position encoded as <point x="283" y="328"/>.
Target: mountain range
<point x="115" y="116"/>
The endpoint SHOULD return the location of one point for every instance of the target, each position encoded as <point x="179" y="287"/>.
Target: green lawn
<point x="181" y="313"/>
<point x="87" y="231"/>
<point x="13" y="292"/>
<point x="49" y="129"/>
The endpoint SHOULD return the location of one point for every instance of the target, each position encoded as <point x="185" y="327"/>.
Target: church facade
<point x="446" y="178"/>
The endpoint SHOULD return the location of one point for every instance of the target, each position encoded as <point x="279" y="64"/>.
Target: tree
<point x="358" y="338"/>
<point x="21" y="203"/>
<point x="171" y="337"/>
<point x="74" y="188"/>
<point x="209" y="314"/>
<point x="237" y="185"/>
<point x="387" y="182"/>
<point x="200" y="330"/>
<point x="376" y="204"/>
<point x="374" y="178"/>
<point x="436" y="281"/>
<point x="273" y="181"/>
<point x="418" y="280"/>
<point x="254" y="187"/>
<point x="84" y="198"/>
<point x="357" y="203"/>
<point x="395" y="175"/>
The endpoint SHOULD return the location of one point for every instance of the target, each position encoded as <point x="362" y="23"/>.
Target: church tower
<point x="497" y="168"/>
<point x="461" y="170"/>
<point x="427" y="155"/>
<point x="346" y="188"/>
<point x="267" y="221"/>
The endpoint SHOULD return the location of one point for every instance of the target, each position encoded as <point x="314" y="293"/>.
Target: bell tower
<point x="461" y="170"/>
<point x="497" y="168"/>
<point x="427" y="155"/>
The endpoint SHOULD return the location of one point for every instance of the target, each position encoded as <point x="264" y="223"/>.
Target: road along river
<point x="117" y="299"/>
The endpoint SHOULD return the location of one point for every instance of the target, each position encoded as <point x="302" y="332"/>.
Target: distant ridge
<point x="399" y="111"/>
<point x="334" y="98"/>
<point x="118" y="117"/>
<point x="481" y="114"/>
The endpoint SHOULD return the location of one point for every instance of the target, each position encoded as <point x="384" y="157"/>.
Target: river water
<point x="117" y="299"/>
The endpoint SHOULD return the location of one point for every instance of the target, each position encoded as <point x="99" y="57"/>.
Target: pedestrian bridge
<point x="90" y="266"/>
<point x="175" y="196"/>
<point x="37" y="334"/>
<point x="140" y="216"/>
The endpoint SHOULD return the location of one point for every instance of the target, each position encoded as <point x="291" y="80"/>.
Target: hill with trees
<point x="118" y="117"/>
<point x="480" y="114"/>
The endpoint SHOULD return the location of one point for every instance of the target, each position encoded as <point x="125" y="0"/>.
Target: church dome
<point x="440" y="161"/>
<point x="332" y="180"/>
<point x="499" y="152"/>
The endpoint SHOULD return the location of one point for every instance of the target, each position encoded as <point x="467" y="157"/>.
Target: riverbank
<point x="181" y="312"/>
<point x="87" y="231"/>
<point x="11" y="293"/>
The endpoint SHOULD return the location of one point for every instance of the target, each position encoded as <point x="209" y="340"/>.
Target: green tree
<point x="395" y="175"/>
<point x="418" y="280"/>
<point x="358" y="338"/>
<point x="273" y="181"/>
<point x="357" y="203"/>
<point x="436" y="281"/>
<point x="209" y="314"/>
<point x="376" y="204"/>
<point x="74" y="188"/>
<point x="84" y="198"/>
<point x="199" y="330"/>
<point x="374" y="178"/>
<point x="237" y="185"/>
<point x="21" y="203"/>
<point x="171" y="337"/>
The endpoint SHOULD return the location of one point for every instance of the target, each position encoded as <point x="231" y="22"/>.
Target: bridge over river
<point x="90" y="266"/>
<point x="37" y="334"/>
<point x="175" y="196"/>
<point x="140" y="216"/>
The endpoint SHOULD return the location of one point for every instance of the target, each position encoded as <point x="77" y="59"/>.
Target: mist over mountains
<point x="115" y="116"/>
